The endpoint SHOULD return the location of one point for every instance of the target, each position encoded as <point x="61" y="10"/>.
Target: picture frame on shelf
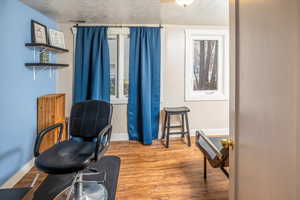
<point x="39" y="33"/>
<point x="56" y="38"/>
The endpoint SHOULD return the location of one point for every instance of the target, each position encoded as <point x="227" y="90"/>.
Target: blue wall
<point x="18" y="90"/>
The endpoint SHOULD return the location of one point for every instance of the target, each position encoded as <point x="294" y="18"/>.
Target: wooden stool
<point x="183" y="111"/>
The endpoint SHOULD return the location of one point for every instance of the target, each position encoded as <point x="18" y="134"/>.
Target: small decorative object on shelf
<point x="56" y="38"/>
<point x="38" y="33"/>
<point x="44" y="56"/>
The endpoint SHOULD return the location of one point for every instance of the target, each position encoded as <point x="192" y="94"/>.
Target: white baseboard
<point x="119" y="137"/>
<point x="212" y="132"/>
<point x="18" y="175"/>
<point x="209" y="132"/>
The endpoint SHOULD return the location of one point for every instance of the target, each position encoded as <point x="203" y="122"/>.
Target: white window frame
<point x="222" y="36"/>
<point x="121" y="34"/>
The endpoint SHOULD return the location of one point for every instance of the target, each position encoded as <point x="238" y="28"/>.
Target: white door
<point x="264" y="111"/>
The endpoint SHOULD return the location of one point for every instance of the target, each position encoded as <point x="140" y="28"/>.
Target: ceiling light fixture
<point x="184" y="3"/>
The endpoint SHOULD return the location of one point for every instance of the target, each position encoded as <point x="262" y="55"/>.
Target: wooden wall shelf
<point x="47" y="47"/>
<point x="36" y="64"/>
<point x="46" y="65"/>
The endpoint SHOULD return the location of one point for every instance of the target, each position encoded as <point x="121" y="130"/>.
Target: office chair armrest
<point x="41" y="135"/>
<point x="100" y="146"/>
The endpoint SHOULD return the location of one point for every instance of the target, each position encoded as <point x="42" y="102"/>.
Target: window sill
<point x="207" y="98"/>
<point x="119" y="101"/>
<point x="123" y="101"/>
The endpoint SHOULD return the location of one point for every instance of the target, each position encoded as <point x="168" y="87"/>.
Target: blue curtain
<point x="92" y="67"/>
<point x="144" y="84"/>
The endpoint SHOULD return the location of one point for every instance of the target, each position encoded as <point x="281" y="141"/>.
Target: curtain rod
<point x="112" y="26"/>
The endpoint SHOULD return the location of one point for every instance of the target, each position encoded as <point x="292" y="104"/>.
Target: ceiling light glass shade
<point x="184" y="3"/>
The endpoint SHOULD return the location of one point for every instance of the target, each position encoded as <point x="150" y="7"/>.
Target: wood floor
<point x="157" y="173"/>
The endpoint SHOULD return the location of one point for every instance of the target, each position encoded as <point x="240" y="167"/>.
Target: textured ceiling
<point x="201" y="12"/>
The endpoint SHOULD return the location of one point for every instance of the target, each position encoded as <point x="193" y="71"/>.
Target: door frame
<point x="233" y="93"/>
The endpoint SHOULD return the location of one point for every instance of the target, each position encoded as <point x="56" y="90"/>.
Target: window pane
<point x="113" y="53"/>
<point x="205" y="65"/>
<point x="126" y="66"/>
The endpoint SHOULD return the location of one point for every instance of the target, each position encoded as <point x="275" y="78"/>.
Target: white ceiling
<point x="201" y="12"/>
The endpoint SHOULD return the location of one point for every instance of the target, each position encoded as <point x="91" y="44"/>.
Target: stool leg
<point x="168" y="130"/>
<point x="188" y="130"/>
<point x="225" y="171"/>
<point x="164" y="127"/>
<point x="205" y="168"/>
<point x="182" y="125"/>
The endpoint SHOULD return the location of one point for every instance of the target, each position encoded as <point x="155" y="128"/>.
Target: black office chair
<point x="90" y="133"/>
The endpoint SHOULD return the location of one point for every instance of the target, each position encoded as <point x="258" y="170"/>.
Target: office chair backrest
<point x="88" y="118"/>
